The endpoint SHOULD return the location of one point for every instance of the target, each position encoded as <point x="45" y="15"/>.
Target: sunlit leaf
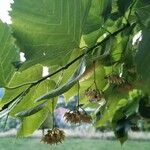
<point x="19" y="78"/>
<point x="31" y="123"/>
<point x="62" y="89"/>
<point x="31" y="111"/>
<point x="48" y="30"/>
<point x="28" y="100"/>
<point x="9" y="54"/>
<point x="99" y="11"/>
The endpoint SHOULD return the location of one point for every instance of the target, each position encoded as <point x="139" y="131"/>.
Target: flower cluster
<point x="115" y="79"/>
<point x="93" y="95"/>
<point x="54" y="136"/>
<point x="77" y="117"/>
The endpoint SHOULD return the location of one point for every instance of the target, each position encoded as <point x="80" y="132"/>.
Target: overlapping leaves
<point x="48" y="32"/>
<point x="70" y="83"/>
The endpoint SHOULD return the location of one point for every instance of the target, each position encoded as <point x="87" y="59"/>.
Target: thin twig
<point x="78" y="101"/>
<point x="94" y="74"/>
<point x="53" y="114"/>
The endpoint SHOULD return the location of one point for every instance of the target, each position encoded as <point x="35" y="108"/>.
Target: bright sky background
<point x="4" y="8"/>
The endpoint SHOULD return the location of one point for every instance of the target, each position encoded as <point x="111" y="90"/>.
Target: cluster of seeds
<point x="115" y="79"/>
<point x="122" y="84"/>
<point x="54" y="136"/>
<point x="93" y="95"/>
<point x="77" y="117"/>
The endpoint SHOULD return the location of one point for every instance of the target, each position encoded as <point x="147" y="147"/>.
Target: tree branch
<point x="73" y="61"/>
<point x="32" y="84"/>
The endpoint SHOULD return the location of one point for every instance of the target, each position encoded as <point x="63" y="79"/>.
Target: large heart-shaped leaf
<point x="48" y="29"/>
<point x="9" y="53"/>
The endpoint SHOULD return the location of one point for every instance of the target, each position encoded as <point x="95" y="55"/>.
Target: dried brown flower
<point x="86" y="118"/>
<point x="115" y="79"/>
<point x="53" y="136"/>
<point x="73" y="116"/>
<point x="77" y="117"/>
<point x="93" y="95"/>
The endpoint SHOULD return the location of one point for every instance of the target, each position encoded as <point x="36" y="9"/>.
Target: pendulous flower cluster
<point x="115" y="79"/>
<point x="93" y="95"/>
<point x="53" y="136"/>
<point x="77" y="117"/>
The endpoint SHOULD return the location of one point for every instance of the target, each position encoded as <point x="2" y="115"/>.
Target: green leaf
<point x="142" y="12"/>
<point x="116" y="101"/>
<point x="7" y="110"/>
<point x="144" y="107"/>
<point x="28" y="101"/>
<point x="70" y="83"/>
<point x="123" y="5"/>
<point x="121" y="128"/>
<point x="31" y="111"/>
<point x="91" y="38"/>
<point x="108" y="113"/>
<point x="32" y="123"/>
<point x="48" y="123"/>
<point x="33" y="114"/>
<point x="50" y="29"/>
<point x="92" y="105"/>
<point x="121" y="125"/>
<point x="125" y="116"/>
<point x="66" y="74"/>
<point x="132" y="107"/>
<point x="19" y="78"/>
<point x="72" y="92"/>
<point x="34" y="110"/>
<point x="143" y="60"/>
<point x="88" y="80"/>
<point x="99" y="11"/>
<point x="9" y="54"/>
